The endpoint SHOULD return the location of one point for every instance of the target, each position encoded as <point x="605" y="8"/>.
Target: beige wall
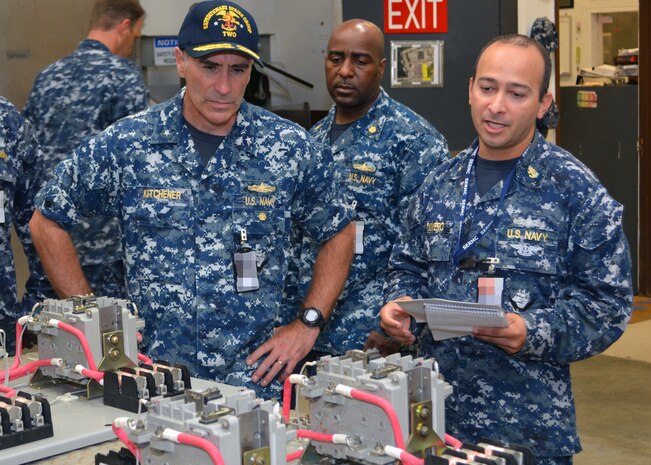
<point x="34" y="34"/>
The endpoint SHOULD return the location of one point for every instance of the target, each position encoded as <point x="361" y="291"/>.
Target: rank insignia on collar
<point x="372" y="129"/>
<point x="367" y="167"/>
<point x="531" y="171"/>
<point x="261" y="188"/>
<point x="3" y="155"/>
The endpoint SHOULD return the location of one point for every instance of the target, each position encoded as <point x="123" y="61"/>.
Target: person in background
<point x="79" y="96"/>
<point x="384" y="151"/>
<point x="206" y="188"/>
<point x="517" y="220"/>
<point x="20" y="178"/>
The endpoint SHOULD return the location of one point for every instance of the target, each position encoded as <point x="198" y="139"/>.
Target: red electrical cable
<point x="144" y="358"/>
<point x="7" y="391"/>
<point x="122" y="436"/>
<point x="408" y="459"/>
<point x="26" y="369"/>
<point x="96" y="375"/>
<point x="388" y="408"/>
<point x="287" y="399"/>
<point x="82" y="339"/>
<point x="294" y="456"/>
<point x="19" y="332"/>
<point x="405" y="457"/>
<point x="204" y="445"/>
<point x="453" y="442"/>
<point x="313" y="435"/>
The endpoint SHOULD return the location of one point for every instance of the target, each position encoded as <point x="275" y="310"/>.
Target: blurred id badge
<point x="490" y="290"/>
<point x="246" y="270"/>
<point x="359" y="237"/>
<point x="2" y="207"/>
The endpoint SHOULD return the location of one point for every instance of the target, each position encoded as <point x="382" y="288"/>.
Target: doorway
<point x="629" y="184"/>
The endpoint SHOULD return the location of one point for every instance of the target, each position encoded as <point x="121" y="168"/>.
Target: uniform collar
<point x="92" y="44"/>
<point x="530" y="172"/>
<point x="168" y="120"/>
<point x="370" y="125"/>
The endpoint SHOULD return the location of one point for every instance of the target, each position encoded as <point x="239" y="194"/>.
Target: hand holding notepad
<point x="449" y="318"/>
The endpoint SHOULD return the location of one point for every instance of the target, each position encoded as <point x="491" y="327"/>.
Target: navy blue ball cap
<point x="211" y="27"/>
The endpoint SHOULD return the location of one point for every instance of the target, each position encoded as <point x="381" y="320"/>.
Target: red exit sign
<point x="415" y="16"/>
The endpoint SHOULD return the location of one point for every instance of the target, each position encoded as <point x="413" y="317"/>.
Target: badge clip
<point x="246" y="267"/>
<point x="492" y="262"/>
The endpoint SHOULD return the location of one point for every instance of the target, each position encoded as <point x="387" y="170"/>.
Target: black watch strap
<point x="312" y="317"/>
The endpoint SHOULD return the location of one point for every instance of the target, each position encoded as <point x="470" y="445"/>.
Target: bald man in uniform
<point x="384" y="150"/>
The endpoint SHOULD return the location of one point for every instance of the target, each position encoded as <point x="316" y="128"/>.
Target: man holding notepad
<point x="521" y="223"/>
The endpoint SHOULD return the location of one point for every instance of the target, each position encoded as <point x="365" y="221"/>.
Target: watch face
<point x="311" y="315"/>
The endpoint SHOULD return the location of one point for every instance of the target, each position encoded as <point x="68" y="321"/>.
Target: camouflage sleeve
<point x="83" y="185"/>
<point x="320" y="204"/>
<point x="407" y="271"/>
<point x="417" y="158"/>
<point x="29" y="181"/>
<point x="594" y="303"/>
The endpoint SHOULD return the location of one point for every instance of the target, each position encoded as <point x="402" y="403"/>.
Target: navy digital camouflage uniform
<point x="75" y="97"/>
<point x="18" y="158"/>
<point x="383" y="158"/>
<point x="566" y="268"/>
<point x="181" y="225"/>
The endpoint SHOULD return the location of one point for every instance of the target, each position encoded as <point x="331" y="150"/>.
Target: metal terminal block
<point x="178" y="384"/>
<point x="159" y="379"/>
<point x="14" y="415"/>
<point x="35" y="410"/>
<point x="23" y="419"/>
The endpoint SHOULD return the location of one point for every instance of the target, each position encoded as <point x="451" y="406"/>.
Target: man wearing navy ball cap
<point x="206" y="188"/>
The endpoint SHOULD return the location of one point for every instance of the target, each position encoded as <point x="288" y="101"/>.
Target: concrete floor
<point x="613" y="397"/>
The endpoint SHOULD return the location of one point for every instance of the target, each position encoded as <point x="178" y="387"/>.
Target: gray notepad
<point x="450" y="318"/>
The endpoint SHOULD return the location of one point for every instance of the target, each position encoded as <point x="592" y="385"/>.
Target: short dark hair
<point x="107" y="14"/>
<point x="522" y="41"/>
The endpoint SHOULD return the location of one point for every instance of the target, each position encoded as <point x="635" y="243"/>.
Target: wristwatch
<point x="312" y="317"/>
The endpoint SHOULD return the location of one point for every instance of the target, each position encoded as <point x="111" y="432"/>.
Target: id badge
<point x="246" y="266"/>
<point x="246" y="270"/>
<point x="490" y="290"/>
<point x="359" y="237"/>
<point x="2" y="207"/>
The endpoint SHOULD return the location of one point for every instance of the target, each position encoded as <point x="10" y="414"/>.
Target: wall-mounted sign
<point x="415" y="16"/>
<point x="164" y="51"/>
<point x="416" y="63"/>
